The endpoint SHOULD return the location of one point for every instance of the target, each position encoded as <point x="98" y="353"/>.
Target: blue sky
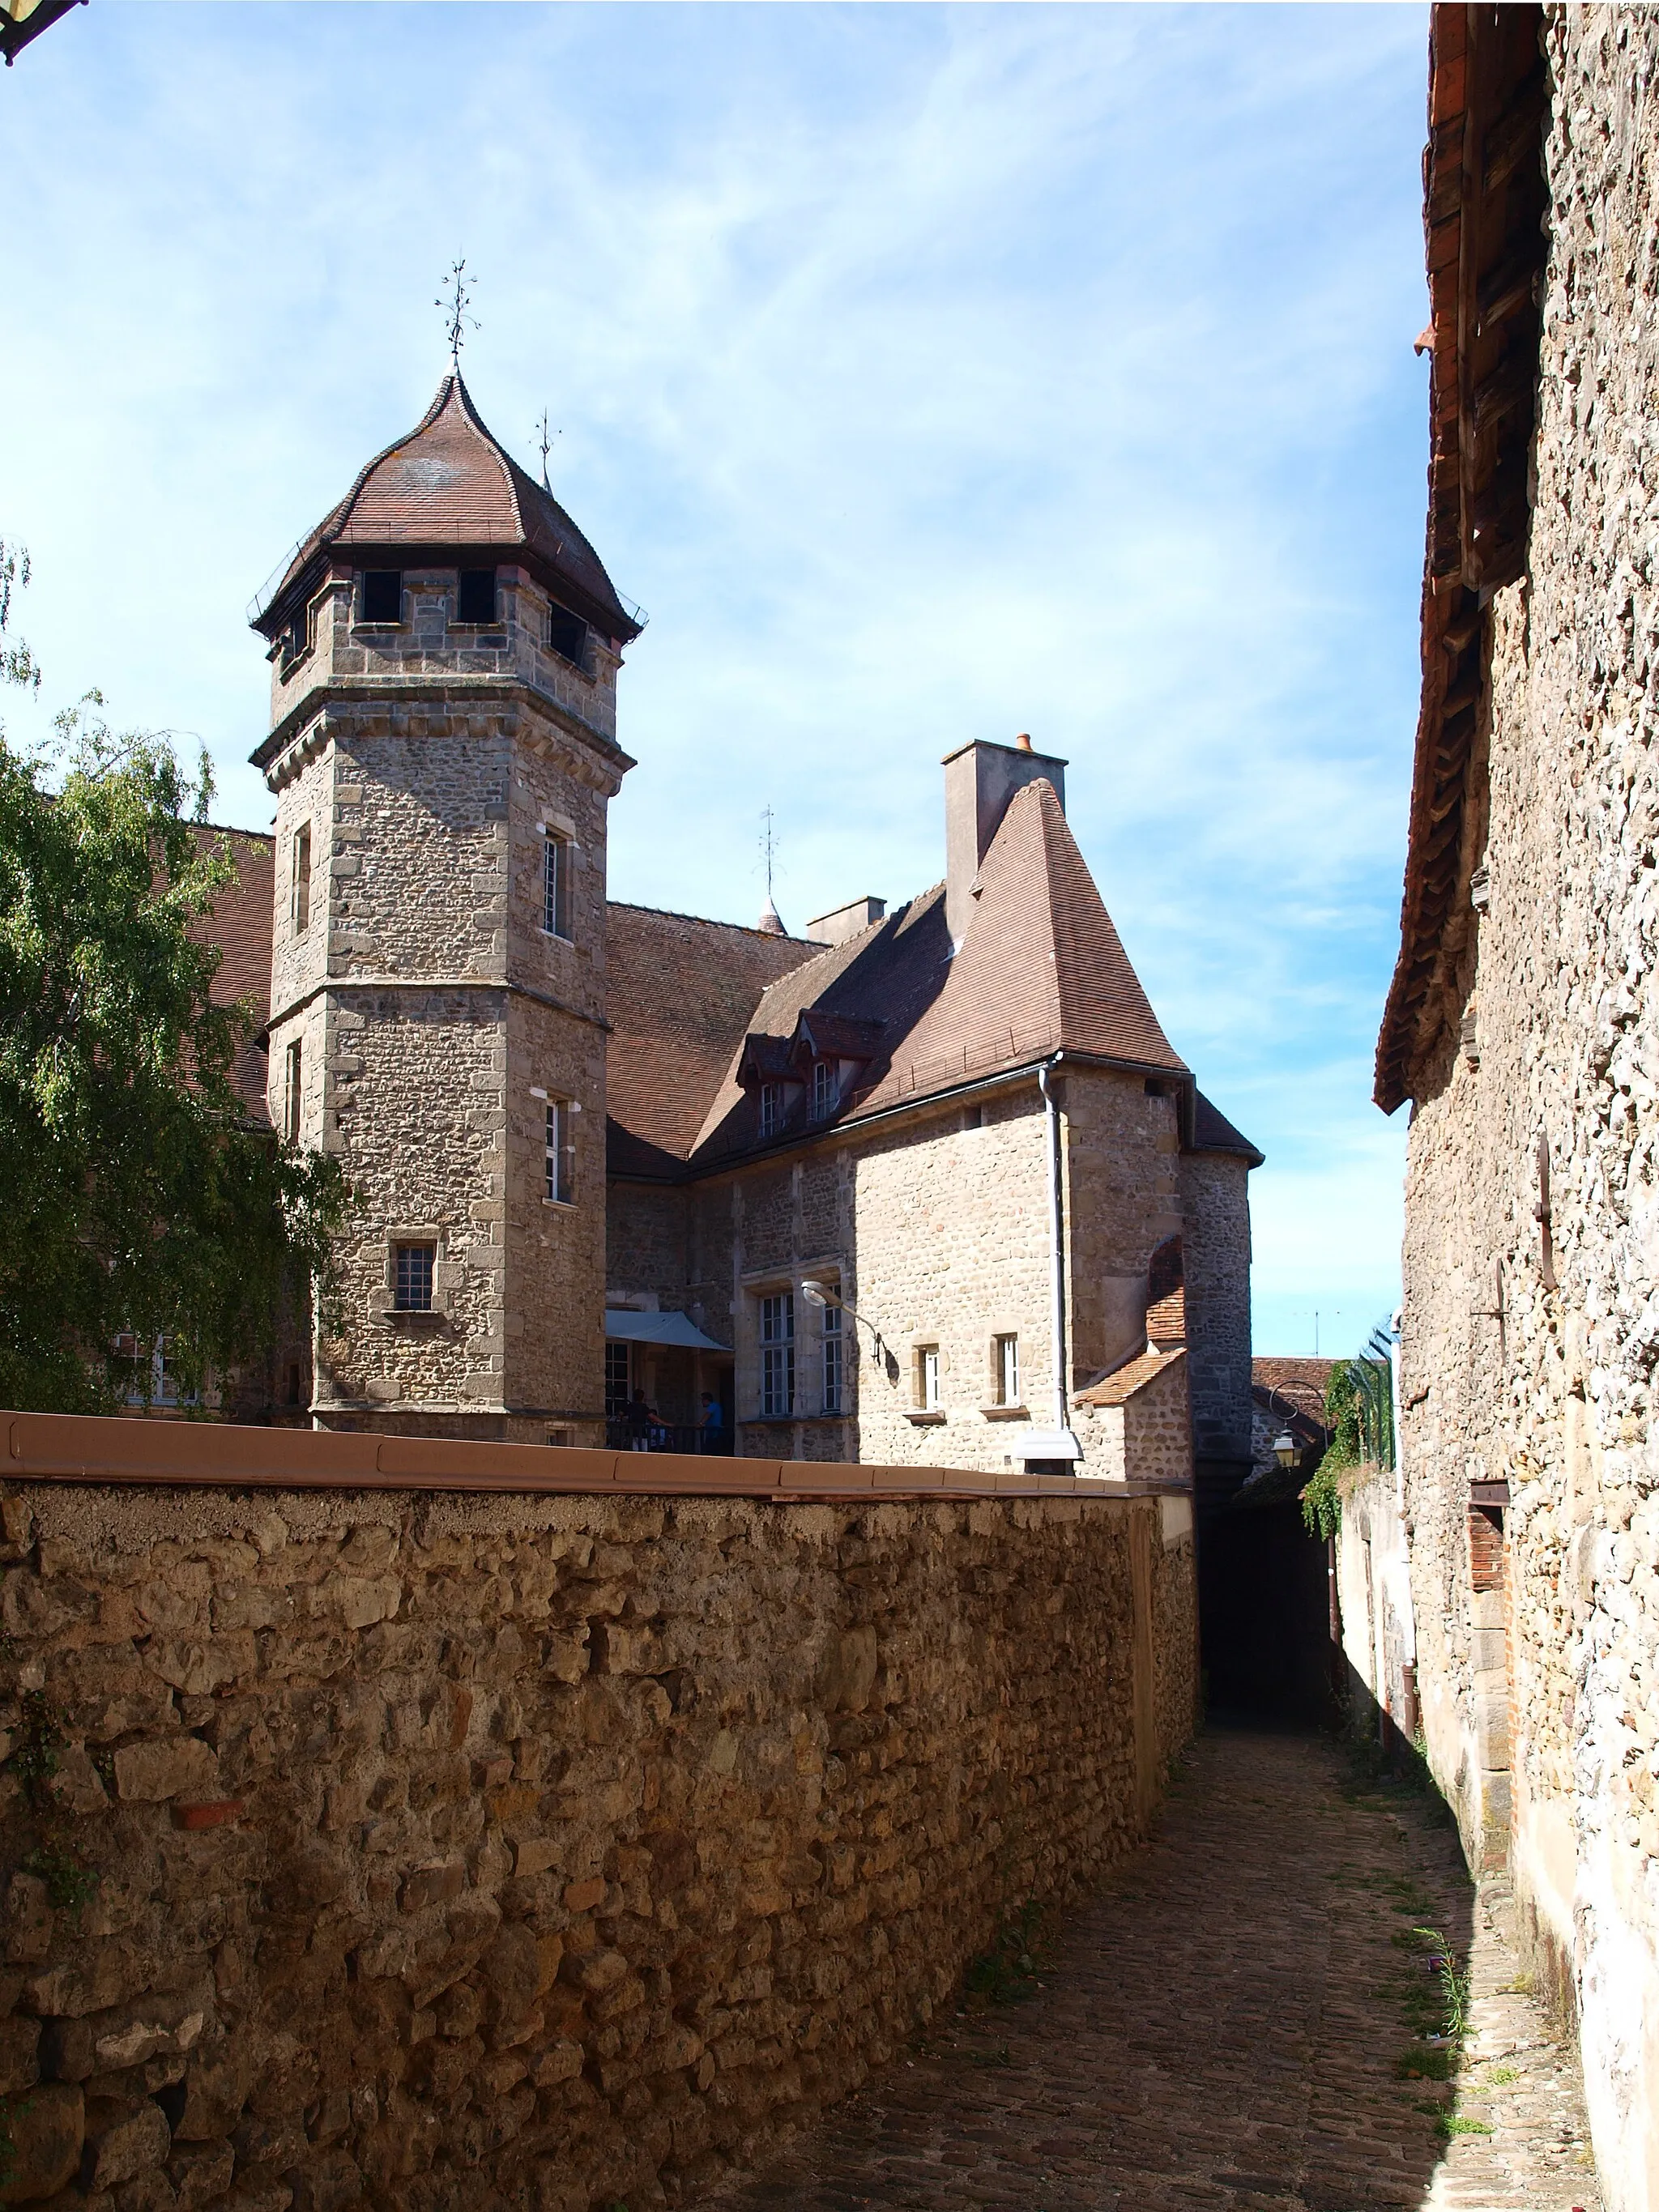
<point x="928" y="372"/>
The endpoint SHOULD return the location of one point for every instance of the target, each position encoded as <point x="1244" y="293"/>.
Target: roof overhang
<point x="1484" y="199"/>
<point x="23" y="20"/>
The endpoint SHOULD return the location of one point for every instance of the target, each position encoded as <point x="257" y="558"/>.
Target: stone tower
<point x="443" y="749"/>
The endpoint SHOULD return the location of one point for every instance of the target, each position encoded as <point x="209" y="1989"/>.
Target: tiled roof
<point x="1213" y="1132"/>
<point x="1040" y="970"/>
<point x="1485" y="226"/>
<point x="450" y="484"/>
<point x="1299" y="1382"/>
<point x="1122" y="1382"/>
<point x="1041" y="967"/>
<point x="681" y="994"/>
<point x="241" y="927"/>
<point x="1166" y="1320"/>
<point x="888" y="973"/>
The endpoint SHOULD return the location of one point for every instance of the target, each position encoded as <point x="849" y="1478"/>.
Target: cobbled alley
<point x="1241" y="2019"/>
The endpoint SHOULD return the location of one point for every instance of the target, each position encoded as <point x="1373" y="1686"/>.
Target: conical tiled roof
<point x="449" y="486"/>
<point x="1041" y="967"/>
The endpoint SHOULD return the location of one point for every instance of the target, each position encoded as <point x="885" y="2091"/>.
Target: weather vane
<point x="768" y="846"/>
<point x="454" y="303"/>
<point x="545" y="438"/>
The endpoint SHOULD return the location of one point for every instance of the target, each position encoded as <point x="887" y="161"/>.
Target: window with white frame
<point x="778" y="1354"/>
<point x="826" y="1089"/>
<point x="771" y="1108"/>
<point x="927" y="1378"/>
<point x="835" y="1369"/>
<point x="560" y="1153"/>
<point x="1005" y="1352"/>
<point x="556" y="856"/>
<point x="292" y="1073"/>
<point x="300" y="882"/>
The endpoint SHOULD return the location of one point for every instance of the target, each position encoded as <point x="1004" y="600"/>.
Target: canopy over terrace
<point x="666" y="1355"/>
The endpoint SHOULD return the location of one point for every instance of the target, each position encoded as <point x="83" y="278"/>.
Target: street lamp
<point x="1284" y="1449"/>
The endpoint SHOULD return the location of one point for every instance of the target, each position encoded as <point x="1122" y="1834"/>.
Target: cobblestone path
<point x="1228" y="2024"/>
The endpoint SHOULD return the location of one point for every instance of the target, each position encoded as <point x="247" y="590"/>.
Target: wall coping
<point x="222" y="1455"/>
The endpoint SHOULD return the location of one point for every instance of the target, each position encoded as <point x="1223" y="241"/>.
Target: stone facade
<point x="1532" y="1242"/>
<point x="1215" y="1206"/>
<point x="460" y="1851"/>
<point x="430" y="750"/>
<point x="933" y="1227"/>
<point x="435" y="1015"/>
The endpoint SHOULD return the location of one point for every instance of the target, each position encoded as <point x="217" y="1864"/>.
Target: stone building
<point x="1523" y="1013"/>
<point x="905" y="1189"/>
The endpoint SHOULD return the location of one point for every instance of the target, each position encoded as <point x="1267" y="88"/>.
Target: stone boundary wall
<point x="456" y="1849"/>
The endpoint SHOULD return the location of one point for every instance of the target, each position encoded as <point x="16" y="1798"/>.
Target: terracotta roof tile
<point x="241" y="927"/>
<point x="1041" y="968"/>
<point x="1166" y="1321"/>
<point x="1299" y="1382"/>
<point x="1122" y="1382"/>
<point x="449" y="484"/>
<point x="681" y="994"/>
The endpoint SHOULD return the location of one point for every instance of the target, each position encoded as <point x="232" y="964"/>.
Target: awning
<point x="622" y="1327"/>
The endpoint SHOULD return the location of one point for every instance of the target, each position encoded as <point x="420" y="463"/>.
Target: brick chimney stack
<point x="979" y="780"/>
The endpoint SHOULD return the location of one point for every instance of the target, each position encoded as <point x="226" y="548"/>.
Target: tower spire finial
<point x="455" y="301"/>
<point x="769" y="920"/>
<point x="545" y="438"/>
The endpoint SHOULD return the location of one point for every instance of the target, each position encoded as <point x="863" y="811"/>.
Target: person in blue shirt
<point x="712" y="1427"/>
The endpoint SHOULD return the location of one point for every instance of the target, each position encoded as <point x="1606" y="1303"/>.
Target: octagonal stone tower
<point x="443" y="752"/>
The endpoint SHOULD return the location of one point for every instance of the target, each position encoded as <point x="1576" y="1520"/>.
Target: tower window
<point x="567" y="635"/>
<point x="825" y="1089"/>
<point x="1006" y="1351"/>
<point x="300" y="891"/>
<point x="560" y="1153"/>
<point x="291" y="1093"/>
<point x="778" y="1354"/>
<point x="474" y="601"/>
<point x="412" y="1283"/>
<point x="383" y="595"/>
<point x="771" y="1108"/>
<point x="557" y="855"/>
<point x="834" y="1356"/>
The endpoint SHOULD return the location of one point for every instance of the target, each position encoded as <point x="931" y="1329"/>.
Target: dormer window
<point x="383" y="595"/>
<point x="567" y="635"/>
<point x="475" y="597"/>
<point x="771" y="1108"/>
<point x="826" y="1089"/>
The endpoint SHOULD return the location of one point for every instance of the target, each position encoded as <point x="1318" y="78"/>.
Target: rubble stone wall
<point x="462" y="1851"/>
<point x="1530" y="1330"/>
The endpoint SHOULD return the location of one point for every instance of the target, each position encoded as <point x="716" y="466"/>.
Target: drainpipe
<point x="1057" y="1253"/>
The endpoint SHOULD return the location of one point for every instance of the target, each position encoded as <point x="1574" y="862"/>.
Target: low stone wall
<point x="557" y="1851"/>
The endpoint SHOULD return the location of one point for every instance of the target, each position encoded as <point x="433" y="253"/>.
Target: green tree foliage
<point x="1321" y="1496"/>
<point x="137" y="1198"/>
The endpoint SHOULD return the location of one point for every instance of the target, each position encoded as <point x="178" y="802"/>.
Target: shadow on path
<point x="1222" y="2026"/>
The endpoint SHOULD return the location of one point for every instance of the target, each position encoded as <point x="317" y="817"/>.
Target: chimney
<point x="845" y="921"/>
<point x="979" y="780"/>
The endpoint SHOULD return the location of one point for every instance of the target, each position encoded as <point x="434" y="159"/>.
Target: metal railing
<point x="684" y="1436"/>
